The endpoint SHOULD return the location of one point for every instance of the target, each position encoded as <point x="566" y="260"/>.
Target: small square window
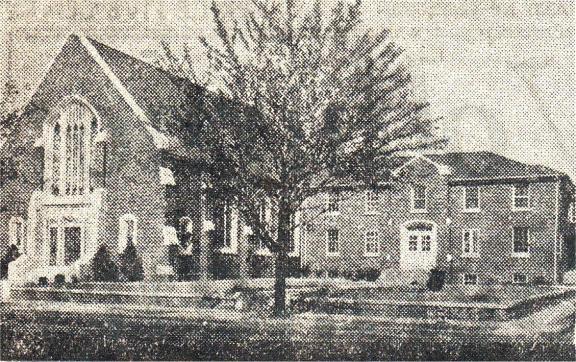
<point x="519" y="278"/>
<point x="426" y="243"/>
<point x="521" y="196"/>
<point x="372" y="202"/>
<point x="372" y="246"/>
<point x="471" y="198"/>
<point x="470" y="279"/>
<point x="470" y="242"/>
<point x="413" y="243"/>
<point x="333" y="246"/>
<point x="521" y="240"/>
<point x="333" y="202"/>
<point x="419" y="198"/>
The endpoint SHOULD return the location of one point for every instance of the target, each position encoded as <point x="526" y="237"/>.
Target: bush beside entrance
<point x="107" y="267"/>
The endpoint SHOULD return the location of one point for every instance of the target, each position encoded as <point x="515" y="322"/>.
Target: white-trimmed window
<point x="68" y="155"/>
<point x="470" y="242"/>
<point x="521" y="196"/>
<point x="413" y="243"/>
<point x="419" y="198"/>
<point x="372" y="204"/>
<point x="471" y="198"/>
<point x="17" y="231"/>
<point x="229" y="227"/>
<point x="333" y="202"/>
<point x="572" y="212"/>
<point x="185" y="231"/>
<point x="470" y="279"/>
<point x="519" y="278"/>
<point x="332" y="242"/>
<point x="128" y="231"/>
<point x="371" y="243"/>
<point x="521" y="239"/>
<point x="426" y="242"/>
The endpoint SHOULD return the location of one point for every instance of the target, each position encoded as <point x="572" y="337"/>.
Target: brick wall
<point x="445" y="208"/>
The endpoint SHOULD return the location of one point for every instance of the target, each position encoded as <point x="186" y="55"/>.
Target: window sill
<point x="332" y="254"/>
<point x="371" y="255"/>
<point x="522" y="209"/>
<point x="332" y="213"/>
<point x="227" y="251"/>
<point x="470" y="255"/>
<point x="471" y="211"/>
<point x="416" y="211"/>
<point x="372" y="213"/>
<point x="263" y="252"/>
<point x="520" y="255"/>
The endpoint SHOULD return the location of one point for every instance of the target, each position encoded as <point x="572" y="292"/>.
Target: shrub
<point x="540" y="280"/>
<point x="59" y="280"/>
<point x="319" y="273"/>
<point x="305" y="271"/>
<point x="130" y="264"/>
<point x="372" y="274"/>
<point x="102" y="266"/>
<point x="348" y="275"/>
<point x="436" y="279"/>
<point x="42" y="282"/>
<point x="333" y="273"/>
<point x="360" y="274"/>
<point x="9" y="256"/>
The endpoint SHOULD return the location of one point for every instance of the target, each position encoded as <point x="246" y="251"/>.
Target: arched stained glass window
<point x="71" y="147"/>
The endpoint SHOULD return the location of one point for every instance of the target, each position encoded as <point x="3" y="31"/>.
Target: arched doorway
<point x="418" y="245"/>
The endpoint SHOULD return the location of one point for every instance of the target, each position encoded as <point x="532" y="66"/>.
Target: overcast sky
<point x="500" y="73"/>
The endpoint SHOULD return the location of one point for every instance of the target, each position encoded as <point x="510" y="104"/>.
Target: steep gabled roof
<point x="163" y="102"/>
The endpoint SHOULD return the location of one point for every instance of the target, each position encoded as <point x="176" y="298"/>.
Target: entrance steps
<point x="398" y="277"/>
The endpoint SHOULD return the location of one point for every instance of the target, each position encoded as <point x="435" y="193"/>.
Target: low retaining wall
<point x="435" y="310"/>
<point x="119" y="297"/>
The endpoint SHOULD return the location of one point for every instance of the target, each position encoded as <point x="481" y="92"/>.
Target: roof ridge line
<point x="159" y="139"/>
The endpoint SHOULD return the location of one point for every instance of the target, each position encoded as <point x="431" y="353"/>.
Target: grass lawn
<point x="30" y="333"/>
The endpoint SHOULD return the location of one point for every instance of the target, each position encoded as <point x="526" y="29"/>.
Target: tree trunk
<point x="280" y="284"/>
<point x="284" y="235"/>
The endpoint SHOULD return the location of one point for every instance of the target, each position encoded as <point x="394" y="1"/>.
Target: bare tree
<point x="314" y="98"/>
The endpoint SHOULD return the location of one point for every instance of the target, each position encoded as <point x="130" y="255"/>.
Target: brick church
<point x="100" y="161"/>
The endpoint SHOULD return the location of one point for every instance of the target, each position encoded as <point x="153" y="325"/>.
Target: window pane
<point x="53" y="245"/>
<point x="521" y="190"/>
<point x="419" y="197"/>
<point x="333" y="201"/>
<point x="333" y="241"/>
<point x="472" y="197"/>
<point x="372" y="246"/>
<point x="521" y="240"/>
<point x="372" y="201"/>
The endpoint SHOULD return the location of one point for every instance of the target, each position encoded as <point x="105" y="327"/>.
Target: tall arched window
<point x="73" y="132"/>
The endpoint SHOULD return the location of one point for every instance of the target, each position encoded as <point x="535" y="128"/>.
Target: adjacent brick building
<point x="479" y="216"/>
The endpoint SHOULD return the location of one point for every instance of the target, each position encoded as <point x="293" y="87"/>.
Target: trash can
<point x="436" y="280"/>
